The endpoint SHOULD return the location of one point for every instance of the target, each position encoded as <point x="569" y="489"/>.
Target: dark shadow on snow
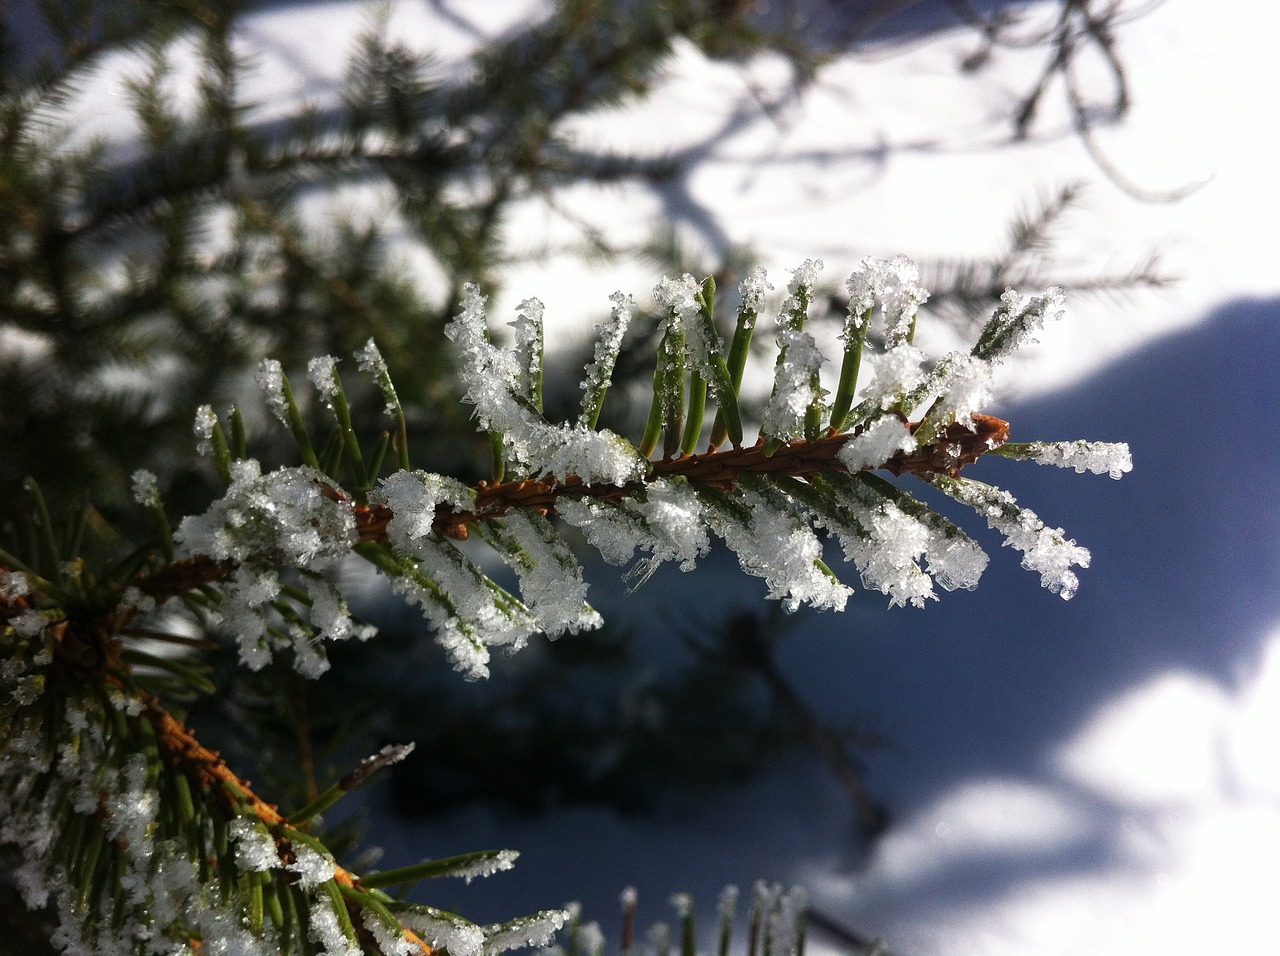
<point x="991" y="685"/>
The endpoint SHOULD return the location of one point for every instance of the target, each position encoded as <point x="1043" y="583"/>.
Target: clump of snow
<point x="803" y="278"/>
<point x="29" y="623"/>
<point x="773" y="542"/>
<point x="13" y="585"/>
<point x="895" y="373"/>
<point x="959" y="386"/>
<point x="876" y="444"/>
<point x="280" y="518"/>
<point x="753" y="289"/>
<point x="413" y="497"/>
<point x="312" y="866"/>
<point x="795" y="385"/>
<point x="678" y="297"/>
<point x="146" y="488"/>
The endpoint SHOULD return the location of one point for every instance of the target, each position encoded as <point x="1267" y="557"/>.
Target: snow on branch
<point x="196" y="854"/>
<point x="766" y="500"/>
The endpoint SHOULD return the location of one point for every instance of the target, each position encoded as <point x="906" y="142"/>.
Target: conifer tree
<point x="130" y="569"/>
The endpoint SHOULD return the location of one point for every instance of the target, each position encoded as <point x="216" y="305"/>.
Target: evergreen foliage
<point x="141" y="838"/>
<point x="148" y="268"/>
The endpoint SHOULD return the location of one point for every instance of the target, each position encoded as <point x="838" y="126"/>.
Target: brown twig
<point x="206" y="768"/>
<point x="956" y="447"/>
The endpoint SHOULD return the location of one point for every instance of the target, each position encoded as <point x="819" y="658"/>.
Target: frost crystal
<point x="445" y="930"/>
<point x="753" y="289"/>
<point x="962" y="385"/>
<point x="887" y="540"/>
<point x="550" y="579"/>
<point x="255" y="848"/>
<point x="608" y="343"/>
<point x="896" y="284"/>
<point x="203" y="429"/>
<point x="613" y="529"/>
<point x="528" y="328"/>
<point x="391" y="940"/>
<point x="786" y="922"/>
<point x="678" y="297"/>
<point x="487" y="865"/>
<point x="136" y="600"/>
<point x="146" y="490"/>
<point x="1016" y="321"/>
<point x="887" y="550"/>
<point x="323" y="372"/>
<point x="1100" y="458"/>
<point x="794" y="385"/>
<point x="1044" y="550"/>
<point x="876" y="444"/>
<point x="535" y="930"/>
<point x="469" y="613"/>
<point x="803" y="278"/>
<point x="369" y="359"/>
<point x="668" y="522"/>
<point x="312" y="866"/>
<point x="676" y="523"/>
<point x="327" y="931"/>
<point x="13" y="585"/>
<point x="490" y="376"/>
<point x="29" y="623"/>
<point x="270" y="378"/>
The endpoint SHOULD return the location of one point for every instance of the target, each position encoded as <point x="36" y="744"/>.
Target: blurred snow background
<point x="1100" y="776"/>
<point x="1096" y="776"/>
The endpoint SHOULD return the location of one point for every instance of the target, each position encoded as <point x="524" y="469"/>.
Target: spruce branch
<point x="257" y="566"/>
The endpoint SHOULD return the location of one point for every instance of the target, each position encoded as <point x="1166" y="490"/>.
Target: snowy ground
<point x="1097" y="776"/>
